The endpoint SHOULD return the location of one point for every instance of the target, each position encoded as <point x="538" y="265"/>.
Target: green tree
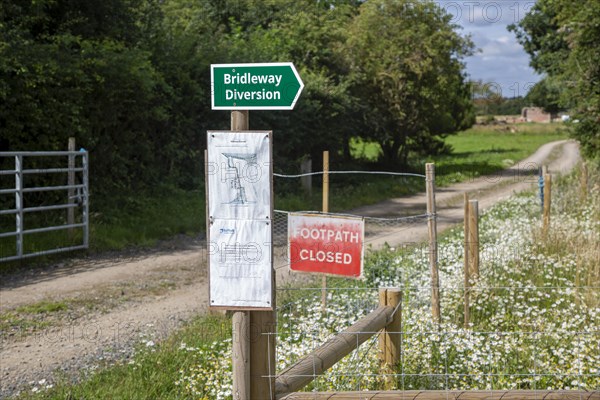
<point x="561" y="37"/>
<point x="545" y="94"/>
<point x="406" y="67"/>
<point x="310" y="35"/>
<point x="79" y="68"/>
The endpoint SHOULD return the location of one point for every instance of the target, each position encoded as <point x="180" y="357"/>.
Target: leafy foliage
<point x="414" y="95"/>
<point x="130" y="80"/>
<point x="545" y="94"/>
<point x="561" y="37"/>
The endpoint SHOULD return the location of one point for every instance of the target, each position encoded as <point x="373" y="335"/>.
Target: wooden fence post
<point x="474" y="238"/>
<point x="390" y="338"/>
<point x="325" y="210"/>
<point x="393" y="334"/>
<point x="433" y="251"/>
<point x="382" y="335"/>
<point x="71" y="182"/>
<point x="467" y="310"/>
<point x="547" y="202"/>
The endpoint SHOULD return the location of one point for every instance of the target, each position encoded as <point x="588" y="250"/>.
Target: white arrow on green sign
<point x="265" y="86"/>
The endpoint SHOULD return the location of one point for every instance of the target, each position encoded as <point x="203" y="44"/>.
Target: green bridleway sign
<point x="265" y="86"/>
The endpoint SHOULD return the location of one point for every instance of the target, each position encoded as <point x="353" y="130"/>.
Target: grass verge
<point x="150" y="374"/>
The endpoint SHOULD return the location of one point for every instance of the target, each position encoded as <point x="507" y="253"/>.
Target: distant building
<point x="536" y="114"/>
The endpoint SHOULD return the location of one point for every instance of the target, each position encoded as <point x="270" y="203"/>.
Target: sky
<point x="500" y="59"/>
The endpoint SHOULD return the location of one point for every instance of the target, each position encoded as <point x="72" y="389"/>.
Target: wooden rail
<point x="324" y="357"/>
<point x="450" y="395"/>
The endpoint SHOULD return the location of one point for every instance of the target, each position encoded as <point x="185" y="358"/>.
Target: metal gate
<point x="71" y="197"/>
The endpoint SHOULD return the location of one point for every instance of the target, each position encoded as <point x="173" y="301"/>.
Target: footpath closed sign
<point x="326" y="245"/>
<point x="264" y="86"/>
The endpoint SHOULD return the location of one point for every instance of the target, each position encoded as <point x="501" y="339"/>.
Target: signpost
<point x="327" y="245"/>
<point x="265" y="86"/>
<point x="240" y="215"/>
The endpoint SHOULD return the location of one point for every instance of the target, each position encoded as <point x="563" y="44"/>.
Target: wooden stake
<point x="382" y="335"/>
<point x="393" y="336"/>
<point x="325" y="210"/>
<point x="390" y="338"/>
<point x="71" y="182"/>
<point x="433" y="253"/>
<point x="547" y="202"/>
<point x="473" y="239"/>
<point x="467" y="310"/>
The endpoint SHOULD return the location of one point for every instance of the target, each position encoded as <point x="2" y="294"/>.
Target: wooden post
<point x="261" y="329"/>
<point x="467" y="310"/>
<point x="71" y="182"/>
<point x="326" y="181"/>
<point x="325" y="210"/>
<point x="473" y="239"/>
<point x="433" y="252"/>
<point x="262" y="354"/>
<point x="382" y="335"/>
<point x="240" y="120"/>
<point x="390" y="337"/>
<point x="241" y="350"/>
<point x="547" y="202"/>
<point x="241" y="355"/>
<point x="393" y="336"/>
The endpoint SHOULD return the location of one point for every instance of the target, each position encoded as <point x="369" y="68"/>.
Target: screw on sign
<point x="326" y="245"/>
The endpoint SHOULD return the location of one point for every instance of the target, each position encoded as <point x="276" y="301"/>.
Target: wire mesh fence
<point x="377" y="227"/>
<point x="534" y="323"/>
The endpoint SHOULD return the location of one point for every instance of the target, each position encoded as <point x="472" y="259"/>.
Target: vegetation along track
<point x="89" y="310"/>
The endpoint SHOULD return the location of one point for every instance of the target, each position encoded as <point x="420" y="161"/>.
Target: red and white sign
<point x="326" y="245"/>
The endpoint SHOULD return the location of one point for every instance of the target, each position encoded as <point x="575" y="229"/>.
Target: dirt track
<point x="164" y="288"/>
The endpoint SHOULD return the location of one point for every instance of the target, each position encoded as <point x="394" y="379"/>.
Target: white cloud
<point x="500" y="59"/>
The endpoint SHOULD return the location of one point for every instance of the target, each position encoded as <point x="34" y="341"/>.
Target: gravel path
<point x="180" y="274"/>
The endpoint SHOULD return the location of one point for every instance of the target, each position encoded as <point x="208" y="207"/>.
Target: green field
<point x="486" y="149"/>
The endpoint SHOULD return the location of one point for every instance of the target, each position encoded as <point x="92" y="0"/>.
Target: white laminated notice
<point x="240" y="263"/>
<point x="239" y="212"/>
<point x="238" y="173"/>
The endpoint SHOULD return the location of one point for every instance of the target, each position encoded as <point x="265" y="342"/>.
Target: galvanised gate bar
<point x="75" y="199"/>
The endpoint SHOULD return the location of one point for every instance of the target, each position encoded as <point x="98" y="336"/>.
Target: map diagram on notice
<point x="234" y="177"/>
<point x="238" y="169"/>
